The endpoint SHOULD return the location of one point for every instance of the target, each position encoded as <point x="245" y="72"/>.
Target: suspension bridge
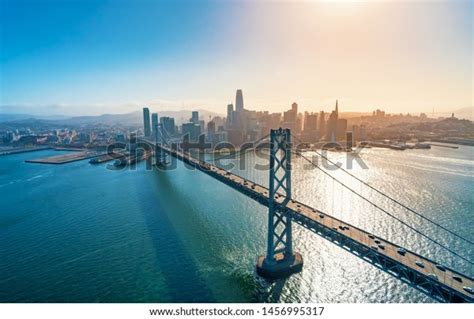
<point x="432" y="278"/>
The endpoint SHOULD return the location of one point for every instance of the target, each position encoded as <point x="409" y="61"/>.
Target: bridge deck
<point x="418" y="271"/>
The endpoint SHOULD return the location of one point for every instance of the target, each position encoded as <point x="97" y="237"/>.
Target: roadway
<point x="441" y="282"/>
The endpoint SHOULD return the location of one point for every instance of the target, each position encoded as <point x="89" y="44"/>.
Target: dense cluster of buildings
<point x="242" y="125"/>
<point x="84" y="137"/>
<point x="238" y="126"/>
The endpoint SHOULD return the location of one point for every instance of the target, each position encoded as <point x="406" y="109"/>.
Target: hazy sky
<point x="92" y="57"/>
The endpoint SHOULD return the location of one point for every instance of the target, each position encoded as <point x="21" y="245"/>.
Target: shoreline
<point x="23" y="150"/>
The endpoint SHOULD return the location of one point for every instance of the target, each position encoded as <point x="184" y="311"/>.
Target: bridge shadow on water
<point x="269" y="291"/>
<point x="240" y="282"/>
<point x="177" y="267"/>
<point x="184" y="280"/>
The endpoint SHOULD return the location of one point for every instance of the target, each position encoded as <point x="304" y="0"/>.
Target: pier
<point x="66" y="158"/>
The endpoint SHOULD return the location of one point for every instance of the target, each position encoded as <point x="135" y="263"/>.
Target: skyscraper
<point x="310" y="133"/>
<point x="341" y="129"/>
<point x="211" y="128"/>
<point x="331" y="127"/>
<point x="192" y="130"/>
<point x="230" y="109"/>
<point x="239" y="101"/>
<point x="322" y="124"/>
<point x="154" y="123"/>
<point x="294" y="107"/>
<point x="310" y="121"/>
<point x="167" y="123"/>
<point x="146" y="121"/>
<point x="290" y="117"/>
<point x="349" y="141"/>
<point x="195" y="117"/>
<point x="331" y="134"/>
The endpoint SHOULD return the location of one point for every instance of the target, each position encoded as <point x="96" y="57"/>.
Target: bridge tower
<point x="160" y="155"/>
<point x="280" y="260"/>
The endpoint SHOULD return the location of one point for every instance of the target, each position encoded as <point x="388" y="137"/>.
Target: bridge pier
<point x="281" y="267"/>
<point x="280" y="260"/>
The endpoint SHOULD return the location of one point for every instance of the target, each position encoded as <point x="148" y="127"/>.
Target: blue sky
<point x="92" y="57"/>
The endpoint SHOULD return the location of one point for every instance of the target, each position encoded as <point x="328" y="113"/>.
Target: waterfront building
<point x="132" y="142"/>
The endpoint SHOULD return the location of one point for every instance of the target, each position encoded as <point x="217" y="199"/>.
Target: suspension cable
<point x="391" y="198"/>
<point x="385" y="211"/>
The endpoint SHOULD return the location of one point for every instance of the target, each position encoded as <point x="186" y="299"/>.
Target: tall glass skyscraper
<point x="146" y="121"/>
<point x="195" y="117"/>
<point x="331" y="126"/>
<point x="239" y="101"/>
<point x="154" y="123"/>
<point x="230" y="109"/>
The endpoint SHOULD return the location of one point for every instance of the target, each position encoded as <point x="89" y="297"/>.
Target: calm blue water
<point x="82" y="233"/>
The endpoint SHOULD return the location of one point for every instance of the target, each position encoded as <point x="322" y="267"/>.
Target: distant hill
<point x="128" y="119"/>
<point x="7" y="117"/>
<point x="445" y="125"/>
<point x="466" y="113"/>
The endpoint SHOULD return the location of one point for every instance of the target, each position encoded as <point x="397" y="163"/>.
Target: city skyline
<point x="236" y="158"/>
<point x="359" y="53"/>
